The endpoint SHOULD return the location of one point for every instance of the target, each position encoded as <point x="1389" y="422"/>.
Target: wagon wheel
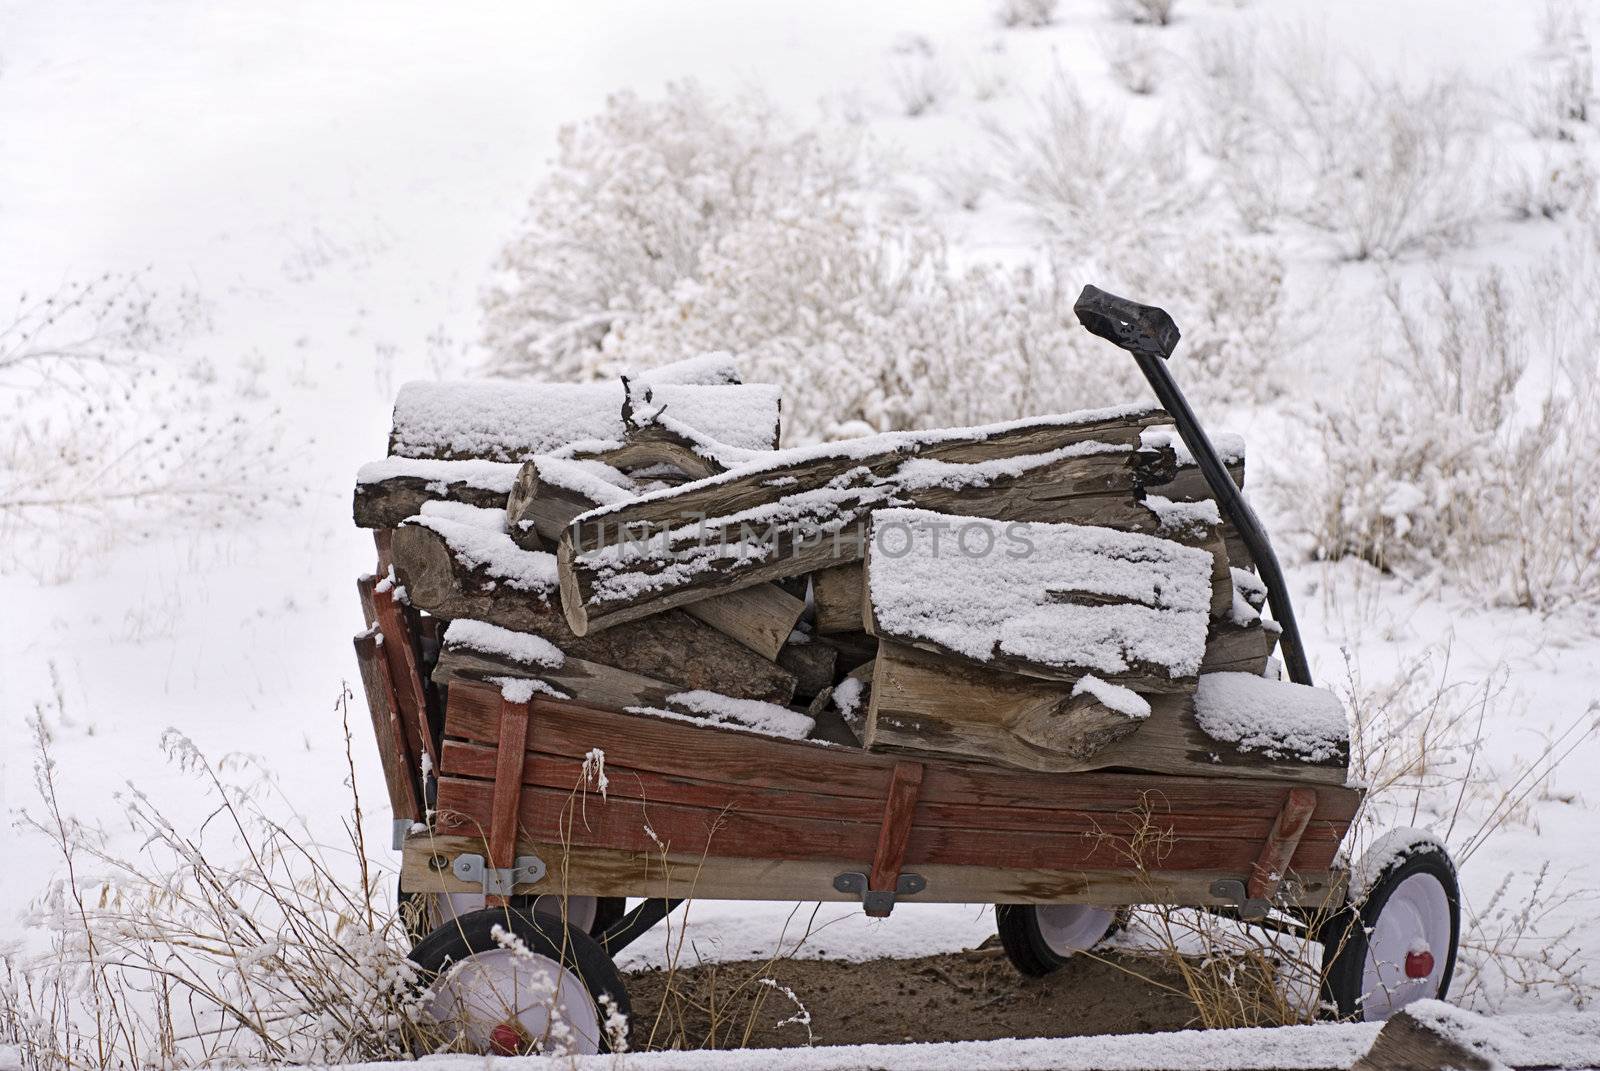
<point x="1039" y="938"/>
<point x="1398" y="943"/>
<point x="506" y="982"/>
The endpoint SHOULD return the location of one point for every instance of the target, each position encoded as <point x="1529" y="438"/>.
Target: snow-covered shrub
<point x="963" y="179"/>
<point x="636" y="195"/>
<point x="1472" y="444"/>
<point x="1026" y="12"/>
<point x="870" y="328"/>
<point x="1134" y="60"/>
<point x="1380" y="166"/>
<point x="810" y="281"/>
<point x="988" y="73"/>
<point x="1553" y="187"/>
<point x="236" y="941"/>
<point x="1555" y="99"/>
<point x="1223" y="90"/>
<point x="1148" y="12"/>
<point x="1095" y="186"/>
<point x="109" y="432"/>
<point x="921" y="81"/>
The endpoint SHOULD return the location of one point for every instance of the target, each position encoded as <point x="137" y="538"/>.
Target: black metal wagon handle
<point x="1151" y="335"/>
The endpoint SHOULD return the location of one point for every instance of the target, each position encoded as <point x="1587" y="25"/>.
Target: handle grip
<point x="1134" y="327"/>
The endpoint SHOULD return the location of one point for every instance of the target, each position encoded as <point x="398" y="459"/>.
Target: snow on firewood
<point x="986" y="588"/>
<point x="1183" y="516"/>
<point x="847" y="696"/>
<point x="1113" y="697"/>
<point x="924" y="472"/>
<point x="485" y="475"/>
<point x="1276" y="718"/>
<point x="1228" y="445"/>
<point x="493" y="520"/>
<point x="593" y="479"/>
<point x="513" y="421"/>
<point x="523" y="689"/>
<point x="905" y="442"/>
<point x="492" y="551"/>
<point x="490" y="639"/>
<point x="724" y="712"/>
<point x="715" y="368"/>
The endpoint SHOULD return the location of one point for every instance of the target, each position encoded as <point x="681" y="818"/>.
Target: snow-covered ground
<point x="332" y="183"/>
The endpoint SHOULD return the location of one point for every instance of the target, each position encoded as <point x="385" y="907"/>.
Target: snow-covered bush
<point x="1026" y="12"/>
<point x="963" y="180"/>
<point x="1381" y="167"/>
<point x="637" y="194"/>
<point x="921" y="81"/>
<point x="1095" y="186"/>
<point x="1134" y="60"/>
<point x="1551" y="188"/>
<point x="108" y="431"/>
<point x="1472" y="444"/>
<point x="799" y="270"/>
<point x="236" y="941"/>
<point x="869" y="328"/>
<point x="1149" y="12"/>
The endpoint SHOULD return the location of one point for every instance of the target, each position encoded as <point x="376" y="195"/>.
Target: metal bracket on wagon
<point x="498" y="881"/>
<point x="879" y="902"/>
<point x="1234" y="889"/>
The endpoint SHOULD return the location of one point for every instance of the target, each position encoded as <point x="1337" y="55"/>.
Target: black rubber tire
<point x="1026" y="948"/>
<point x="543" y="935"/>
<point x="1344" y="934"/>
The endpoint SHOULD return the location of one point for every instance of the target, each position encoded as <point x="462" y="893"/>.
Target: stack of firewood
<point x="1045" y="593"/>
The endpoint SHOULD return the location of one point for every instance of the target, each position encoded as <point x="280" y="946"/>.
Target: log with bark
<point x="459" y="571"/>
<point x="389" y="491"/>
<point x="800" y="510"/>
<point x="1054" y="601"/>
<point x="513" y="421"/>
<point x="922" y="702"/>
<point x="549" y="492"/>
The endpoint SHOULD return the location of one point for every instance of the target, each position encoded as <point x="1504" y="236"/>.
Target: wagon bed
<point x="718" y="814"/>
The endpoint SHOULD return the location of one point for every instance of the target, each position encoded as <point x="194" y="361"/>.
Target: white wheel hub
<point x="1069" y="928"/>
<point x="510" y="1001"/>
<point x="1407" y="948"/>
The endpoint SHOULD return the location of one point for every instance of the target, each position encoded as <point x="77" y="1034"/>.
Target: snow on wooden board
<point x="1075" y="598"/>
<point x="719" y="711"/>
<point x="502" y="420"/>
<point x="440" y="473"/>
<point x="1279" y="719"/>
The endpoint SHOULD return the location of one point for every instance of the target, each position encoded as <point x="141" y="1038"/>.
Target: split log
<point x="799" y="510"/>
<point x="837" y="596"/>
<point x="1240" y="648"/>
<point x="549" y="492"/>
<point x="599" y="685"/>
<point x="761" y="617"/>
<point x="855" y="649"/>
<point x="1054" y="601"/>
<point x="475" y="651"/>
<point x="812" y="664"/>
<point x="662" y="442"/>
<point x="389" y="491"/>
<point x="923" y="703"/>
<point x="851" y="697"/>
<point x="509" y="421"/>
<point x="444" y="580"/>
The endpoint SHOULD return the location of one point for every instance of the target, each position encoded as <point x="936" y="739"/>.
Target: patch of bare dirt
<point x="966" y="996"/>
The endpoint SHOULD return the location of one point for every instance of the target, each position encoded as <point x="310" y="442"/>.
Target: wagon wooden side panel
<point x="689" y="810"/>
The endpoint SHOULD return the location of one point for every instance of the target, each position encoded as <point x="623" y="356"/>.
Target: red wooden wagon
<point x="532" y="817"/>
